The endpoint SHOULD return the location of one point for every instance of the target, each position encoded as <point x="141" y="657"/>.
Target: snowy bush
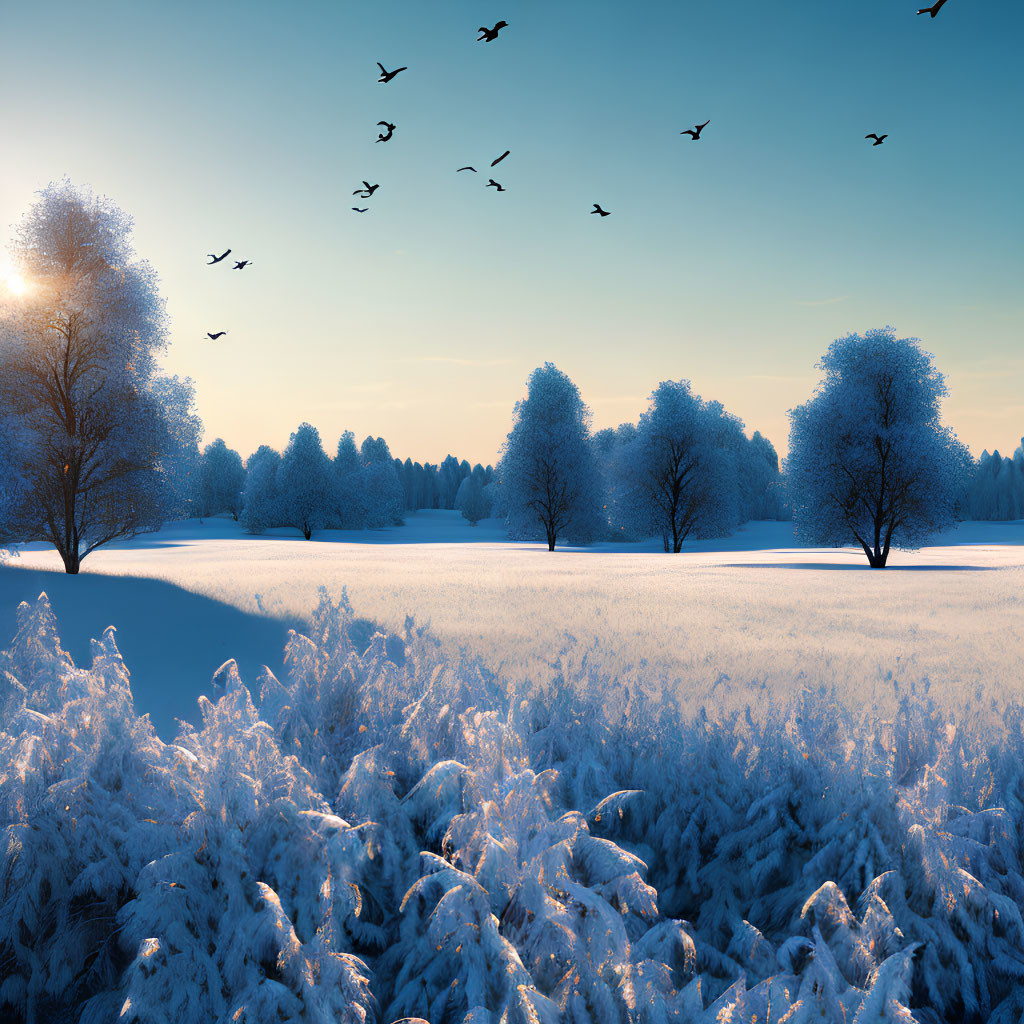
<point x="388" y="831"/>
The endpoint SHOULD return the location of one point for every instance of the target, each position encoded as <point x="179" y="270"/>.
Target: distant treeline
<point x="360" y="488"/>
<point x="996" y="490"/>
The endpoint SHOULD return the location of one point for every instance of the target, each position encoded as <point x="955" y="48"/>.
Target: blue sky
<point x="733" y="261"/>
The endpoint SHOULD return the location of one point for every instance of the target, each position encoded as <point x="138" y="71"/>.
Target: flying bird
<point x="381" y="137"/>
<point x="696" y="130"/>
<point x="214" y="337"/>
<point x="216" y="259"/>
<point x="386" y="76"/>
<point x="879" y="139"/>
<point x="933" y="10"/>
<point x="360" y="209"/>
<point x="491" y="181"/>
<point x="242" y="264"/>
<point x="488" y="35"/>
<point x="500" y="158"/>
<point x="597" y="209"/>
<point x="366" y="191"/>
<point x="457" y="169"/>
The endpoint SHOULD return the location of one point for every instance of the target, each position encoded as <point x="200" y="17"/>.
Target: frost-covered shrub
<point x="388" y="831"/>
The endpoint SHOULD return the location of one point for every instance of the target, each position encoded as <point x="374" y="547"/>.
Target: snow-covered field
<point x="728" y="621"/>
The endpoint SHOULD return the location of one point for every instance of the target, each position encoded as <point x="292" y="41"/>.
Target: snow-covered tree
<point x="761" y="490"/>
<point x="382" y="490"/>
<point x="471" y="500"/>
<point x="306" y="483"/>
<point x="350" y="492"/>
<point x="869" y="461"/>
<point x="97" y="426"/>
<point x="549" y="475"/>
<point x="675" y="476"/>
<point x="221" y="480"/>
<point x="261" y="498"/>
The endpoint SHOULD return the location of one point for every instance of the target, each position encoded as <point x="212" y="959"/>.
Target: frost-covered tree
<point x="761" y="491"/>
<point x="549" y="475"/>
<point x="676" y="477"/>
<point x="221" y="480"/>
<point x="471" y="500"/>
<point x="350" y="492"/>
<point x="261" y="498"/>
<point x="306" y="483"/>
<point x="382" y="490"/>
<point x="869" y="460"/>
<point x="97" y="426"/>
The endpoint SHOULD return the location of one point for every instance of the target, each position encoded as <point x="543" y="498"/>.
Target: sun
<point x="15" y="282"/>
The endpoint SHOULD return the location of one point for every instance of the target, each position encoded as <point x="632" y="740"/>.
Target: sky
<point x="732" y="262"/>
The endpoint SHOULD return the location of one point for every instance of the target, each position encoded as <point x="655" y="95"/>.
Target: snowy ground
<point x="716" y="622"/>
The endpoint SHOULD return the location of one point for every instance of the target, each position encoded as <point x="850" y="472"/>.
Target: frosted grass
<point x="725" y="625"/>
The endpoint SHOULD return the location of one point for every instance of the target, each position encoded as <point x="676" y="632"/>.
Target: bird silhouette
<point x="467" y="168"/>
<point x="242" y="264"/>
<point x="933" y="10"/>
<point x="491" y="181"/>
<point x="488" y="35"/>
<point x="217" y="259"/>
<point x="386" y="76"/>
<point x="366" y="191"/>
<point x="500" y="158"/>
<point x="879" y="139"/>
<point x="381" y="137"/>
<point x="597" y="209"/>
<point x="214" y="337"/>
<point x="360" y="209"/>
<point x="696" y="130"/>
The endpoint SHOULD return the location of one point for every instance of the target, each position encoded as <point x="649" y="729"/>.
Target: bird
<point x="500" y="158"/>
<point x="386" y="76"/>
<point x="597" y="209"/>
<point x="491" y="181"/>
<point x="879" y="139"/>
<point x="933" y="10"/>
<point x="214" y="337"/>
<point x="241" y="264"/>
<point x="696" y="130"/>
<point x="216" y="259"/>
<point x="488" y="35"/>
<point x="381" y="137"/>
<point x="360" y="209"/>
<point x="366" y="191"/>
<point x="466" y="168"/>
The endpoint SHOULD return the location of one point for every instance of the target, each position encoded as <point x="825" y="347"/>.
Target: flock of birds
<point x="489" y="35"/>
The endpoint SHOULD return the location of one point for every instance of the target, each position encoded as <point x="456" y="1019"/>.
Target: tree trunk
<point x="877" y="559"/>
<point x="72" y="562"/>
<point x="306" y="531"/>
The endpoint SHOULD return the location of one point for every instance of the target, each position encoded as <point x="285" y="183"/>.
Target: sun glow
<point x="13" y="281"/>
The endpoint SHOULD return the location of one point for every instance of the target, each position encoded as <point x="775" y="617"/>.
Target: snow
<point x="720" y="619"/>
<point x="386" y="832"/>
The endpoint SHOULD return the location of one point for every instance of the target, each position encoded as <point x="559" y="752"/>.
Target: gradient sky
<point x="733" y="261"/>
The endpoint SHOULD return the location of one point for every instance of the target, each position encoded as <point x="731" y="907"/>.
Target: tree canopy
<point x="94" y="428"/>
<point x="869" y="460"/>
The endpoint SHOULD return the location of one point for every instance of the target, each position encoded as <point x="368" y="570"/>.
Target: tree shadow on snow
<point x="171" y="639"/>
<point x="853" y="567"/>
